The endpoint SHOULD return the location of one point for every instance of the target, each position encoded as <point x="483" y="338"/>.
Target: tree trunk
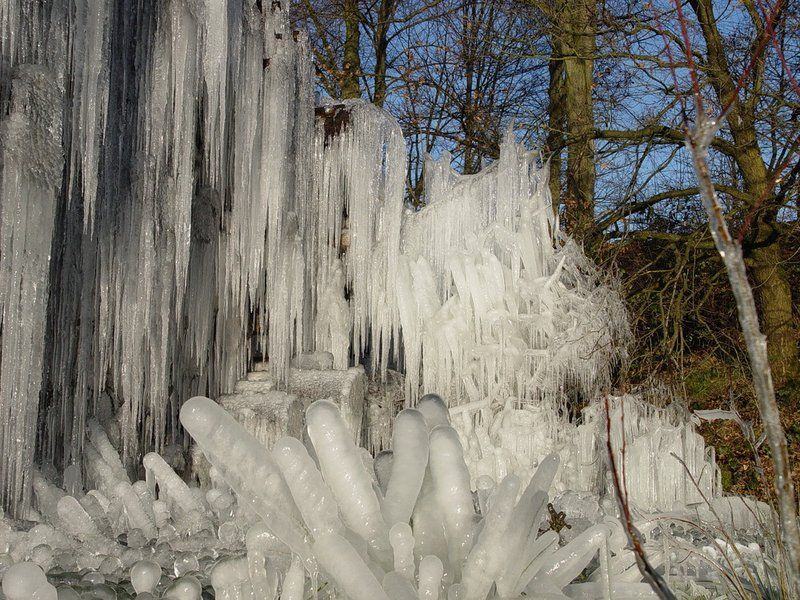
<point x="775" y="300"/>
<point x="555" y="134"/>
<point x="762" y="246"/>
<point x="577" y="20"/>
<point x="351" y="67"/>
<point x="381" y="42"/>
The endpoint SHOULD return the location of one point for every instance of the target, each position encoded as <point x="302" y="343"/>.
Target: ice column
<point x="32" y="162"/>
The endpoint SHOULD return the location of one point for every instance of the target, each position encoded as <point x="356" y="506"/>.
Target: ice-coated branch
<point x="698" y="141"/>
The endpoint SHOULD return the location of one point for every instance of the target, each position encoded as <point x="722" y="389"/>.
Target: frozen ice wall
<point x="30" y="156"/>
<point x="172" y="184"/>
<point x="491" y="298"/>
<point x="359" y="187"/>
<point x="664" y="459"/>
<point x="664" y="463"/>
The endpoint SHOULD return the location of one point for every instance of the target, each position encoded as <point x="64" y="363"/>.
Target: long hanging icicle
<point x="31" y="158"/>
<point x="360" y="171"/>
<point x="153" y="256"/>
<point x="262" y="254"/>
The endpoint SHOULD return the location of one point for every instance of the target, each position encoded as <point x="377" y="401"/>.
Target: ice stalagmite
<point x="434" y="410"/>
<point x="452" y="492"/>
<point x="310" y="492"/>
<point x="247" y="467"/>
<point x="337" y="454"/>
<point x="31" y="159"/>
<point x="486" y="559"/>
<point x="430" y="577"/>
<point x="171" y="486"/>
<point x="338" y="558"/>
<point x="409" y="459"/>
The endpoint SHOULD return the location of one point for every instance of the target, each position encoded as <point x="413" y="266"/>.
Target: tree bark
<point x="351" y="67"/>
<point x="577" y="20"/>
<point x="573" y="25"/>
<point x="555" y="134"/>
<point x="381" y="42"/>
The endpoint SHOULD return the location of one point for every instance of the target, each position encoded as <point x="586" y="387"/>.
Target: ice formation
<point x="494" y="302"/>
<point x="323" y="516"/>
<point x="178" y="218"/>
<point x="202" y="215"/>
<point x="30" y="156"/>
<point x="665" y="460"/>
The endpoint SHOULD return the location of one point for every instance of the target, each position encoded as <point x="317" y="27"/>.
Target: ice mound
<point x="324" y="515"/>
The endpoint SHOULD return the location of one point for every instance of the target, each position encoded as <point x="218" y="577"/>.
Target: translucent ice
<point x="338" y="455"/>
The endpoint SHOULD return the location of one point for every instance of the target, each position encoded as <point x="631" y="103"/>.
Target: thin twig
<point x="730" y="250"/>
<point x="650" y="575"/>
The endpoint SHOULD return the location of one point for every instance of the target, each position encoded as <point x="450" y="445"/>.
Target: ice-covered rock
<point x="345" y="388"/>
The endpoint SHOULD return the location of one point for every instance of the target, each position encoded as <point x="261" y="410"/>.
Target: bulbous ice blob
<point x="402" y="540"/>
<point x="430" y="577"/>
<point x="228" y="573"/>
<point x="409" y="461"/>
<point x="248" y="468"/>
<point x="242" y="460"/>
<point x="543" y="477"/>
<point x="185" y="563"/>
<point x="344" y="472"/>
<point x="191" y="514"/>
<point x="352" y="576"/>
<point x="435" y="411"/>
<point x="260" y="538"/>
<point x="42" y="555"/>
<point x="99" y="439"/>
<point x="77" y="521"/>
<point x="429" y="533"/>
<point x="67" y="593"/>
<point x="294" y="581"/>
<point x="93" y="578"/>
<point x="537" y="552"/>
<point x="22" y="580"/>
<point x="184" y="588"/>
<point x="524" y="527"/>
<point x="398" y="587"/>
<point x="45" y="592"/>
<point x="138" y="517"/>
<point x="453" y="494"/>
<point x="567" y="562"/>
<point x="145" y="576"/>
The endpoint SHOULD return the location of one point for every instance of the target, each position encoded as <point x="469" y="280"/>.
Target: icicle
<point x="31" y="159"/>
